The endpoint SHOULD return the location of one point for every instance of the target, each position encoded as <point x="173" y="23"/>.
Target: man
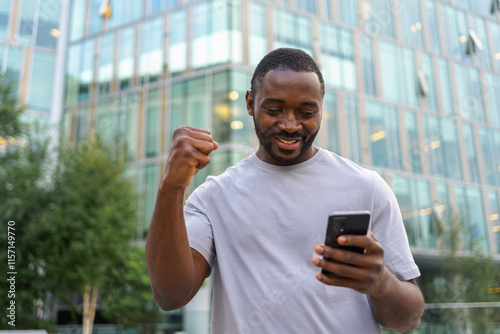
<point x="264" y="219"/>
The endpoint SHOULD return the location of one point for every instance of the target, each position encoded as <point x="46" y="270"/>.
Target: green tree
<point x="89" y="223"/>
<point x="127" y="298"/>
<point x="10" y="109"/>
<point x="467" y="275"/>
<point x="23" y="197"/>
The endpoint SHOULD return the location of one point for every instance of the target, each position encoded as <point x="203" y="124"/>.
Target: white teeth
<point x="289" y="142"/>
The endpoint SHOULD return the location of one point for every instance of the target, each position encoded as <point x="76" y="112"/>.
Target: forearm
<point x="399" y="306"/>
<point x="168" y="255"/>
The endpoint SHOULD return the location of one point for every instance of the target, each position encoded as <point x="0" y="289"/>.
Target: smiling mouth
<point x="288" y="142"/>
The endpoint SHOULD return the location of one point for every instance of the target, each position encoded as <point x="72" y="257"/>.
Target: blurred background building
<point x="28" y="39"/>
<point x="412" y="91"/>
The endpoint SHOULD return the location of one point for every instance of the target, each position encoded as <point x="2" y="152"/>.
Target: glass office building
<point x="412" y="91"/>
<point x="28" y="39"/>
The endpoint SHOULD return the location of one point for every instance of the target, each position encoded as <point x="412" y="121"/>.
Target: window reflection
<point x="428" y="69"/>
<point x="177" y="52"/>
<point x="377" y="16"/>
<point x="348" y="12"/>
<point x="258" y="33"/>
<point x="457" y="32"/>
<point x="399" y="79"/>
<point x="151" y="57"/>
<point x="27" y="24"/>
<point x="414" y="144"/>
<point x="432" y="25"/>
<point x="469" y="208"/>
<point x="495" y="33"/>
<point x="106" y="57"/>
<point x="153" y="122"/>
<point x="469" y="92"/>
<point x="445" y="87"/>
<point x="416" y="208"/>
<point x="4" y="18"/>
<point x="442" y="147"/>
<point x="42" y="81"/>
<point x="353" y="122"/>
<point x="494" y="217"/>
<point x="337" y="57"/>
<point x="48" y="24"/>
<point x="292" y="30"/>
<point x="490" y="147"/>
<point x="492" y="94"/>
<point x="217" y="36"/>
<point x="127" y="57"/>
<point x="411" y="22"/>
<point x="382" y="122"/>
<point x="470" y="152"/>
<point x="330" y="120"/>
<point x="480" y="29"/>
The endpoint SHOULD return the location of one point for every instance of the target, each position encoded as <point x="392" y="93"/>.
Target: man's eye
<point x="308" y="113"/>
<point x="273" y="110"/>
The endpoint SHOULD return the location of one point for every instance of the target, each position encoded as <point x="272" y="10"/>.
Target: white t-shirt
<point x="259" y="223"/>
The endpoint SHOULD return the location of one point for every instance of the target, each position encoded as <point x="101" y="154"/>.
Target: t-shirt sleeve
<point x="198" y="225"/>
<point x="388" y="227"/>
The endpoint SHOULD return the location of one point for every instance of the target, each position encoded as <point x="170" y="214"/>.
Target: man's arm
<point x="397" y="305"/>
<point x="175" y="270"/>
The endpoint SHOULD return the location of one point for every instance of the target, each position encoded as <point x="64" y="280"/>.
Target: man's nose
<point x="289" y="123"/>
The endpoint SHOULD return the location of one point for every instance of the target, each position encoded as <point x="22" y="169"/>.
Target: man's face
<point x="287" y="116"/>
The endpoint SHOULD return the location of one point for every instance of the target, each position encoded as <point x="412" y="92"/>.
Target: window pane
<point x="189" y="103"/>
<point x="177" y="52"/>
<point x="27" y="25"/>
<point x="330" y="115"/>
<point x="48" y="23"/>
<point x="337" y="57"/>
<point x="480" y="29"/>
<point x="494" y="217"/>
<point x="151" y="57"/>
<point x="432" y="25"/>
<point x="442" y="147"/>
<point x="470" y="153"/>
<point x="457" y="33"/>
<point x="384" y="135"/>
<point x="489" y="161"/>
<point x="258" y="33"/>
<point x="471" y="217"/>
<point x="427" y="230"/>
<point x="72" y="72"/>
<point x="378" y="17"/>
<point x="492" y="93"/>
<point x="307" y="6"/>
<point x="151" y="187"/>
<point x="77" y="22"/>
<point x="106" y="57"/>
<point x="411" y="22"/>
<point x="162" y="5"/>
<point x="445" y="87"/>
<point x="365" y="44"/>
<point x="414" y="144"/>
<point x="402" y="191"/>
<point x="292" y="30"/>
<point x="86" y="75"/>
<point x="153" y="122"/>
<point x="42" y="81"/>
<point x="353" y="121"/>
<point x="495" y="33"/>
<point x="126" y="57"/>
<point x="469" y="92"/>
<point x="4" y="18"/>
<point x="399" y="81"/>
<point x="15" y="58"/>
<point x="348" y="12"/>
<point x="429" y="77"/>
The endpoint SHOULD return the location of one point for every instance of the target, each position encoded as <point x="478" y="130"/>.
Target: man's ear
<point x="250" y="102"/>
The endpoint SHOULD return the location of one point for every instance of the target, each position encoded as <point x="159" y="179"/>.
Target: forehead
<point x="291" y="83"/>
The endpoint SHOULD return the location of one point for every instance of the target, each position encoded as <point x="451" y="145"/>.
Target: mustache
<point x="287" y="135"/>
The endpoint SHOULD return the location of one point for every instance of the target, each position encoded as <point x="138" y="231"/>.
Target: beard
<point x="266" y="137"/>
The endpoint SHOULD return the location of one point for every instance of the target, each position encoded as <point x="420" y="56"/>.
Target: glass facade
<point x="29" y="30"/>
<point x="409" y="92"/>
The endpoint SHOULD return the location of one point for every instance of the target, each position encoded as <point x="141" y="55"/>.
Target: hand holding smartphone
<point x="346" y="222"/>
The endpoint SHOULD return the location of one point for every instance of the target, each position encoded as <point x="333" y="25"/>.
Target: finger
<point x="205" y="147"/>
<point x="341" y="282"/>
<point x="367" y="242"/>
<point x="342" y="269"/>
<point x="341" y="255"/>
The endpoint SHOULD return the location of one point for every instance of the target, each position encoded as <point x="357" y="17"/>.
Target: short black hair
<point x="285" y="59"/>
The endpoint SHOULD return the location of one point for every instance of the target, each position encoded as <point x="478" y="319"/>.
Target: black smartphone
<point x="346" y="222"/>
